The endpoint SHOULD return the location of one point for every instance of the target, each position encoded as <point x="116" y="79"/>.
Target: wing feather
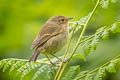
<point x="47" y="32"/>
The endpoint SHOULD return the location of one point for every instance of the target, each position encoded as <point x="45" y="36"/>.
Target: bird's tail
<point x="34" y="56"/>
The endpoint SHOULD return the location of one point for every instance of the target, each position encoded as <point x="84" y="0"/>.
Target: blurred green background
<point x="21" y="20"/>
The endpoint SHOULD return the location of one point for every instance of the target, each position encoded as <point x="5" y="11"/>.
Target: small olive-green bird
<point x="52" y="37"/>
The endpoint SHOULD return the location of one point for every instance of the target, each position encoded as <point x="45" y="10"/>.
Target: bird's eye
<point x="62" y="20"/>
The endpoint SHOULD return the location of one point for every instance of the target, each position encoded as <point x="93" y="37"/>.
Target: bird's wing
<point x="47" y="32"/>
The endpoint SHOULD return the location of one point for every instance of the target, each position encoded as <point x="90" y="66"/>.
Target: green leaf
<point x="116" y="61"/>
<point x="87" y="48"/>
<point x="78" y="55"/>
<point x="43" y="72"/>
<point x="7" y="65"/>
<point x="3" y="62"/>
<point x="84" y="19"/>
<point x="100" y="73"/>
<point x="105" y="34"/>
<point x="22" y="69"/>
<point x="81" y="74"/>
<point x="99" y="30"/>
<point x="104" y="3"/>
<point x="33" y="65"/>
<point x="71" y="73"/>
<point x="94" y="42"/>
<point x="115" y="27"/>
<point x="80" y="23"/>
<point x="76" y="24"/>
<point x="88" y="77"/>
<point x="111" y="67"/>
<point x="16" y="65"/>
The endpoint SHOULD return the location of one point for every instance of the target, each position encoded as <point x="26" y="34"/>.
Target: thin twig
<point x="65" y="54"/>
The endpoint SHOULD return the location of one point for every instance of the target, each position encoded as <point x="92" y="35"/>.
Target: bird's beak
<point x="69" y="18"/>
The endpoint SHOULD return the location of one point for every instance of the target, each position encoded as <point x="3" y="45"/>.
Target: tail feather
<point x="34" y="56"/>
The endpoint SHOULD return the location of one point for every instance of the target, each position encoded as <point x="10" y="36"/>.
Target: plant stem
<point x="58" y="75"/>
<point x="78" y="42"/>
<point x="65" y="54"/>
<point x="97" y="68"/>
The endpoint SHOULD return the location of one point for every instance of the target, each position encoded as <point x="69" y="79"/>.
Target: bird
<point x="51" y="38"/>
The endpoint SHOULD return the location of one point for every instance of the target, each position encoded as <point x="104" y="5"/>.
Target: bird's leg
<point x="56" y="57"/>
<point x="49" y="60"/>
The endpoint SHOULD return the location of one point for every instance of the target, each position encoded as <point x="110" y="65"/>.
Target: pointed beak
<point x="69" y="18"/>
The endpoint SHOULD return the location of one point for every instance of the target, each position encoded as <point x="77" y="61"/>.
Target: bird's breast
<point x="56" y="43"/>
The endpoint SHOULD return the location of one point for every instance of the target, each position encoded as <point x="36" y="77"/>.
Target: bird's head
<point x="60" y="19"/>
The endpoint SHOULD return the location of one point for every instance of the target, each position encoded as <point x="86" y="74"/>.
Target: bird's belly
<point x="55" y="44"/>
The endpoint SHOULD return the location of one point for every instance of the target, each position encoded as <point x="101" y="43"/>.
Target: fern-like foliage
<point x="80" y="23"/>
<point x="99" y="73"/>
<point x="89" y="44"/>
<point x="43" y="69"/>
<point x="105" y="3"/>
<point x="23" y="67"/>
